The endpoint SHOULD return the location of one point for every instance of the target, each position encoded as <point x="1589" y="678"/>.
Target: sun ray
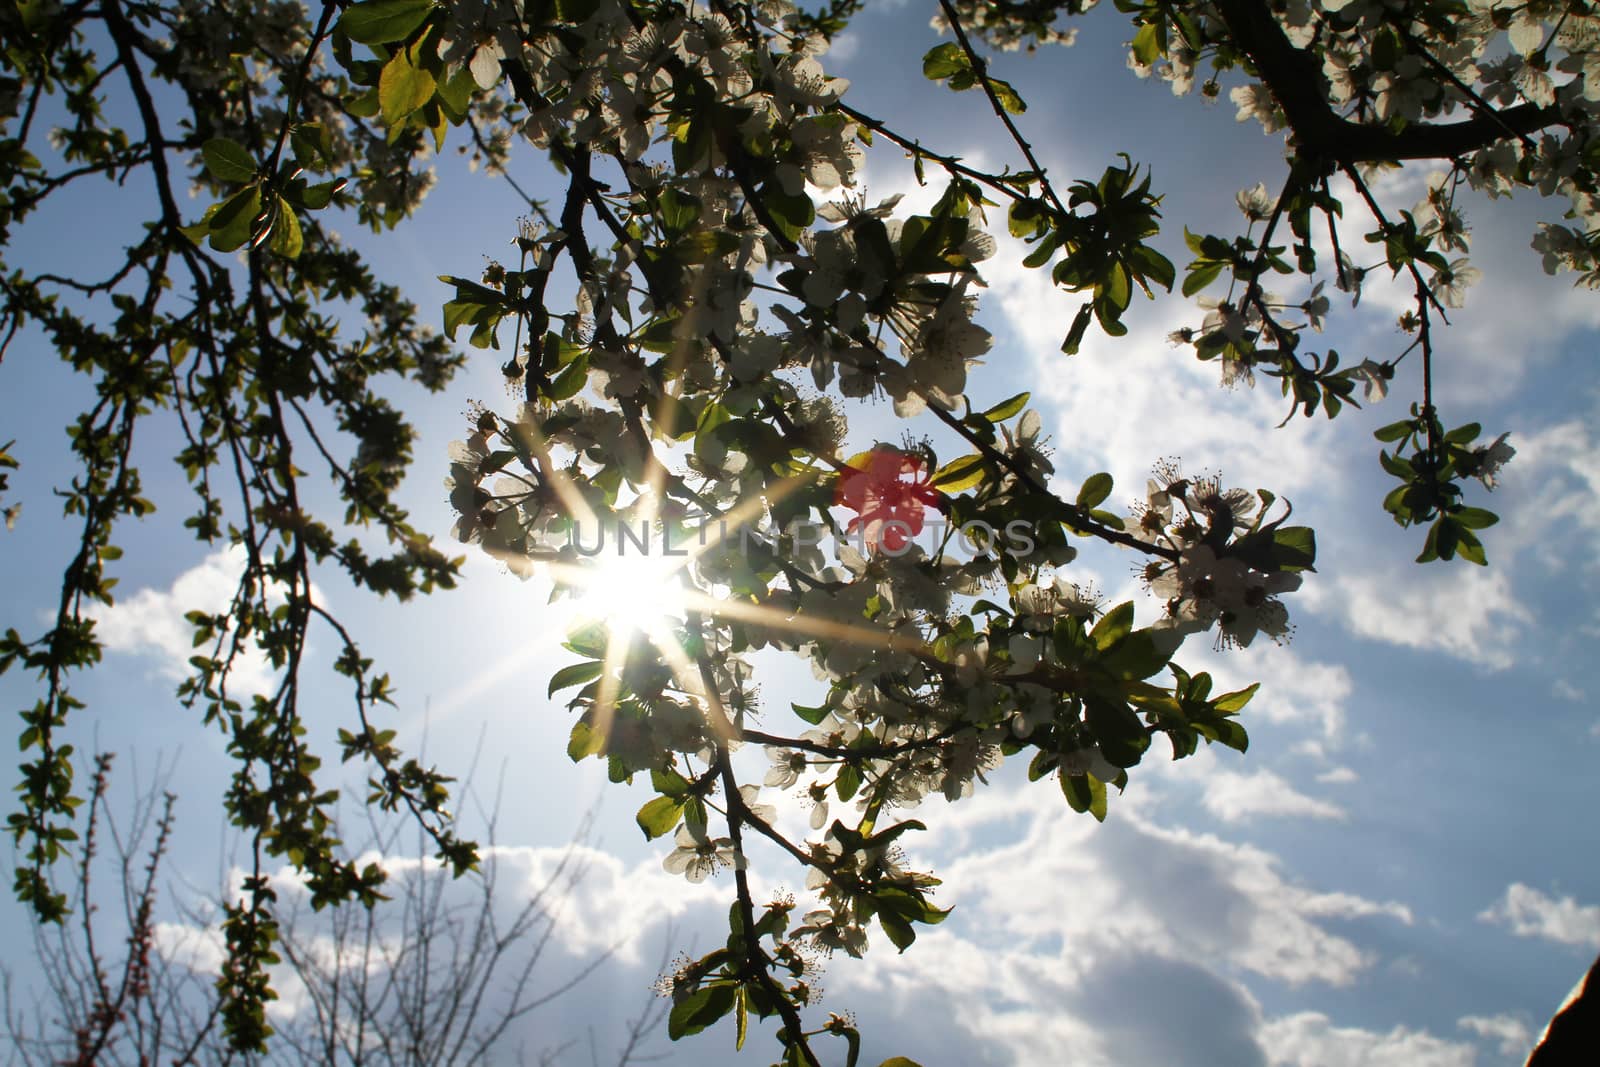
<point x="605" y="700"/>
<point x="559" y="481"/>
<point x="766" y="615"/>
<point x="644" y="595"/>
<point x="693" y="677"/>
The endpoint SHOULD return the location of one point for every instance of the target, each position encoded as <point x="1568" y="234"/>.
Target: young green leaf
<point x="1095" y="490"/>
<point x="659" y="817"/>
<point x="575" y="674"/>
<point x="403" y="88"/>
<point x="383" y="21"/>
<point x="227" y="161"/>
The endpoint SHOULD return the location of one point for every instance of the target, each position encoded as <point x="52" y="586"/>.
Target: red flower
<point x="892" y="488"/>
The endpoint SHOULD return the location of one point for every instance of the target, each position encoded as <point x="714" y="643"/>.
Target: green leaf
<point x="455" y="95"/>
<point x="1476" y="518"/>
<point x="1095" y="490"/>
<point x="575" y="674"/>
<point x="1430" y="545"/>
<point x="705" y="245"/>
<point x="228" y="161"/>
<point x="1080" y="326"/>
<point x="659" y="817"/>
<point x="198" y="231"/>
<point x="589" y="640"/>
<point x="1027" y="218"/>
<point x="1395" y="431"/>
<point x="1230" y="703"/>
<point x="1294" y="548"/>
<point x="482" y="317"/>
<point x="1135" y="656"/>
<point x="660" y="334"/>
<point x="699" y="1010"/>
<point x="403" y="88"/>
<point x="1147" y="46"/>
<point x="1151" y="264"/>
<point x="1447" y="536"/>
<point x="944" y="60"/>
<point x="287" y="240"/>
<point x="668" y="782"/>
<point x="900" y="931"/>
<point x="679" y="211"/>
<point x="672" y="418"/>
<point x="384" y="21"/>
<point x="570" y="381"/>
<point x="1396" y="465"/>
<point x="811" y="715"/>
<point x="1117" y="288"/>
<point x="316" y="197"/>
<point x="963" y="473"/>
<point x="1009" y="98"/>
<point x="847" y="781"/>
<point x="1200" y="276"/>
<point x="792" y="212"/>
<point x="583" y="742"/>
<point x="1116" y="625"/>
<point x="1084" y="793"/>
<point x="884" y="837"/>
<point x="1122" y="736"/>
<point x="1007" y="408"/>
<point x="1227" y="732"/>
<point x="230" y="226"/>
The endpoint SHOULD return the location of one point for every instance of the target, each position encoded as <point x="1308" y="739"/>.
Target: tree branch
<point x="1295" y="79"/>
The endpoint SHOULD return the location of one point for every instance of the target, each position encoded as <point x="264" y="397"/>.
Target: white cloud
<point x="1310" y="1039"/>
<point x="1234" y="797"/>
<point x="151" y="622"/>
<point x="615" y="905"/>
<point x="1552" y="511"/>
<point x="200" y="949"/>
<point x="1124" y="403"/>
<point x="1065" y="931"/>
<point x="1134" y="883"/>
<point x="1338" y="776"/>
<point x="1562" y="689"/>
<point x="1550" y="499"/>
<point x="949" y="1001"/>
<point x="1530" y="913"/>
<point x="1294" y="690"/>
<point x="596" y="903"/>
<point x="846" y="47"/>
<point x="587" y="901"/>
<point x="1470" y="614"/>
<point x="1513" y="1035"/>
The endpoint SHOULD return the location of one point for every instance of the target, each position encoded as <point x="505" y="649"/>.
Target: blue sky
<point x="1399" y="872"/>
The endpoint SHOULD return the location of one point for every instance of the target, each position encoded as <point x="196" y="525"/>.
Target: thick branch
<point x="1295" y="78"/>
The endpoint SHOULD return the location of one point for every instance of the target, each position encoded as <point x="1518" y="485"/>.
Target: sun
<point x="630" y="592"/>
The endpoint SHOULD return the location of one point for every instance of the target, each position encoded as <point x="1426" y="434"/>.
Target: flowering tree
<point x="721" y="257"/>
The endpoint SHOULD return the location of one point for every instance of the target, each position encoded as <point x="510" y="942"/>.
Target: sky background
<point x="1400" y="871"/>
